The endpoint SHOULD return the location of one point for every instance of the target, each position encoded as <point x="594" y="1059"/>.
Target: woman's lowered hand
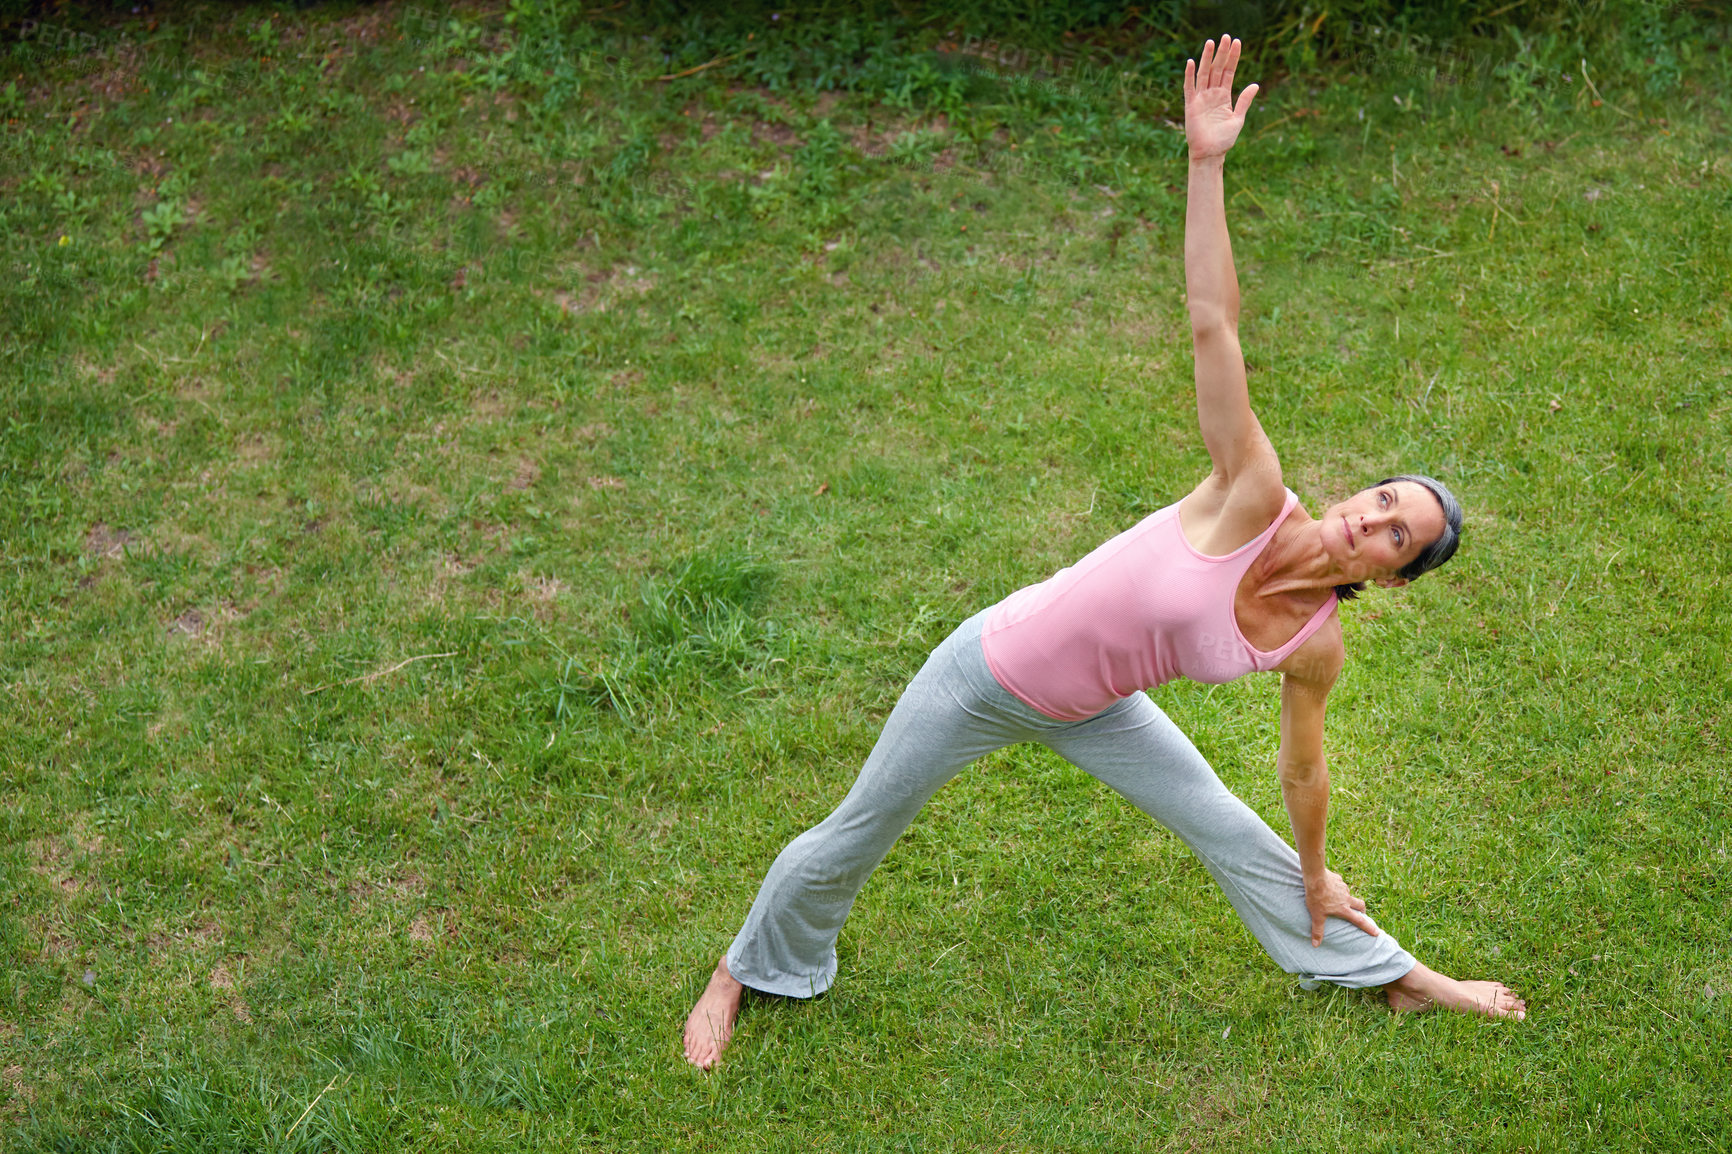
<point x="1329" y="897"/>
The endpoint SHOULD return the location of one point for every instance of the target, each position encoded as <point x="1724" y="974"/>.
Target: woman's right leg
<point x="1137" y="750"/>
<point x="941" y="724"/>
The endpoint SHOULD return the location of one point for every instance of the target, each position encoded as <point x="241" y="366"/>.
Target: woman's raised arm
<point x="1212" y="122"/>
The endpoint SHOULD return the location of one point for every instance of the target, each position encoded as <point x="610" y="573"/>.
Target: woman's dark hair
<point x="1433" y="554"/>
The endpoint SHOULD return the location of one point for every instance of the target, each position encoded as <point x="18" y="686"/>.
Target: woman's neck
<point x="1294" y="563"/>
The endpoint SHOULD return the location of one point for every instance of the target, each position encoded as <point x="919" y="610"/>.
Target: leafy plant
<point x="45" y="180"/>
<point x="234" y="271"/>
<point x="410" y="162"/>
<point x="72" y="208"/>
<point x="916" y="147"/>
<point x="457" y="37"/>
<point x="932" y="83"/>
<point x="264" y="34"/>
<point x="1662" y="35"/>
<point x="161" y="221"/>
<point x="292" y="122"/>
<point x="821" y="161"/>
<point x="388" y="209"/>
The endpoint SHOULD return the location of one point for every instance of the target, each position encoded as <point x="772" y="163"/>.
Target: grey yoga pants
<point x="955" y="711"/>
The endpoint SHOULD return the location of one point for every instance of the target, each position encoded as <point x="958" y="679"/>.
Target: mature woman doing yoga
<point x="1233" y="579"/>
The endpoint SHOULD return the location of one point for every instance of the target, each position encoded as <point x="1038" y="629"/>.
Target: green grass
<point x="680" y="420"/>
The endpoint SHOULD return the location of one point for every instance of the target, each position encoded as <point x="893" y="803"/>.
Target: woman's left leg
<point x="951" y="714"/>
<point x="1137" y="750"/>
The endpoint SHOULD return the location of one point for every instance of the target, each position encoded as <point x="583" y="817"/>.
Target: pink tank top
<point x="1142" y="609"/>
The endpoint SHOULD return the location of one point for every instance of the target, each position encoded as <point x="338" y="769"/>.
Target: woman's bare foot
<point x="1423" y="988"/>
<point x="710" y="1025"/>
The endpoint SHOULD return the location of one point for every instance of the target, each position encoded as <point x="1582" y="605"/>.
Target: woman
<point x="1234" y="578"/>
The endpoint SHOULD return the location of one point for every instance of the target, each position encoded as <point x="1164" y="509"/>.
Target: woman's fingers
<point x="1351" y="917"/>
<point x="1215" y="68"/>
<point x="1335" y="900"/>
<point x="1361" y="921"/>
<point x="1245" y="98"/>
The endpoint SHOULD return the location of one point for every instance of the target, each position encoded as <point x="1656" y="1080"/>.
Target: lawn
<point x="467" y="501"/>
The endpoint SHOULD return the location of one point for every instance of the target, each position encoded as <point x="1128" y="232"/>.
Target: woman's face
<point x="1378" y="530"/>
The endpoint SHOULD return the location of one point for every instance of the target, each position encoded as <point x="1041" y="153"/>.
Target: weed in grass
<point x="700" y="621"/>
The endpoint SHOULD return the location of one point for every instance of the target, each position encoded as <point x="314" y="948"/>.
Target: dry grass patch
<point x="103" y="542"/>
<point x="542" y="592"/>
<point x="409" y="883"/>
<point x="12" y="1077"/>
<point x="223" y="979"/>
<point x="428" y="927"/>
<point x="205" y="623"/>
<point x="255" y="449"/>
<point x="160" y="945"/>
<point x="605" y="290"/>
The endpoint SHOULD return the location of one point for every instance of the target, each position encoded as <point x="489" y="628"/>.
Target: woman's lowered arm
<point x="1305" y="683"/>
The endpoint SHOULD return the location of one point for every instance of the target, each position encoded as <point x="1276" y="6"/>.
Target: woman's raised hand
<point x="1212" y="120"/>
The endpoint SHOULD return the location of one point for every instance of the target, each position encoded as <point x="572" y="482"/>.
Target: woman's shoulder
<point x="1320" y="657"/>
<point x="1221" y="515"/>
